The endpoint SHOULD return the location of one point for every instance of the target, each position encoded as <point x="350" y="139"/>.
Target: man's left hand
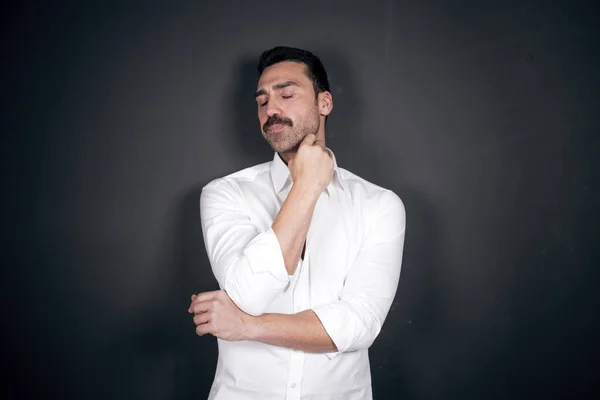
<point x="215" y="313"/>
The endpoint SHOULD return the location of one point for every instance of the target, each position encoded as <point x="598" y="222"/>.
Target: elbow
<point x="253" y="308"/>
<point x="250" y="302"/>
<point x="254" y="276"/>
<point x="253" y="293"/>
<point x="255" y="297"/>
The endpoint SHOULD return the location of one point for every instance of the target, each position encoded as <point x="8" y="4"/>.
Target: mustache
<point x="275" y="119"/>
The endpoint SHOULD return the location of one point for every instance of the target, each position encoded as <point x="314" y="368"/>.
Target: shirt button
<point x="293" y="385"/>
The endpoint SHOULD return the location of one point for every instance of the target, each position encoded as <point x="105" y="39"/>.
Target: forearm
<point x="292" y="223"/>
<point x="302" y="331"/>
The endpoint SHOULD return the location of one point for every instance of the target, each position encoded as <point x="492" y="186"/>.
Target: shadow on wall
<point x="170" y="360"/>
<point x="197" y="356"/>
<point x="410" y="339"/>
<point x="240" y="119"/>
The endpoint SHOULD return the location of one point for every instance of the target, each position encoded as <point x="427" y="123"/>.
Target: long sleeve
<point x="248" y="264"/>
<point x="354" y="321"/>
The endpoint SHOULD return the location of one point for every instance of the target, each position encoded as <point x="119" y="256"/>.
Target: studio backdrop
<point x="482" y="117"/>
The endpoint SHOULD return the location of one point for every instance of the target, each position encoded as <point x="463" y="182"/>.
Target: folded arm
<point x="302" y="331"/>
<point x="354" y="321"/>
<point x="252" y="267"/>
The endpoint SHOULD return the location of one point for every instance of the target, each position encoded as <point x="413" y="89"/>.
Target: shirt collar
<point x="280" y="174"/>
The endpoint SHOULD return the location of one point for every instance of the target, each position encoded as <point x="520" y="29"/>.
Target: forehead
<point x="282" y="72"/>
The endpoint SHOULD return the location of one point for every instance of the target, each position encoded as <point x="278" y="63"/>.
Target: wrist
<point x="251" y="327"/>
<point x="307" y="189"/>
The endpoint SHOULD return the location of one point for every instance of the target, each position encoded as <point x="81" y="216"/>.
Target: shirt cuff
<point x="335" y="322"/>
<point x="264" y="256"/>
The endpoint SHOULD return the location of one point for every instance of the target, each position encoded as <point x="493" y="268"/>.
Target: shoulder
<point x="372" y="197"/>
<point x="366" y="190"/>
<point x="233" y="180"/>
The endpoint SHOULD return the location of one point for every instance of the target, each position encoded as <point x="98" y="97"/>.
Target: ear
<point x="325" y="103"/>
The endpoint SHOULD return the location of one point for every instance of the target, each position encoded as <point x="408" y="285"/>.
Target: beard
<point x="291" y="136"/>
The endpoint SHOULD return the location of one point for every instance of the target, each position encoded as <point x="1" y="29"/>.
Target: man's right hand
<point x="312" y="167"/>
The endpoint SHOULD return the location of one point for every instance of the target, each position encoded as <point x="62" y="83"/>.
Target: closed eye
<point x="264" y="103"/>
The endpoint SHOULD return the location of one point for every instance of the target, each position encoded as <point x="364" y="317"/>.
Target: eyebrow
<point x="276" y="87"/>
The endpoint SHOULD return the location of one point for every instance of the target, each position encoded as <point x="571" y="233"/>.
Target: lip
<point x="276" y="128"/>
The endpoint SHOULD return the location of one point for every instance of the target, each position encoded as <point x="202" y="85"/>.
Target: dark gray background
<point x="481" y="116"/>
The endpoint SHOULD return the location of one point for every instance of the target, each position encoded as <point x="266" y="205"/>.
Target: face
<point x="287" y="106"/>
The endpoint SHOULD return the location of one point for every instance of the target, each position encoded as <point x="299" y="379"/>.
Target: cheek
<point x="262" y="116"/>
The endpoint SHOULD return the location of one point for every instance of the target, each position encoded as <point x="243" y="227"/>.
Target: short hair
<point x="314" y="68"/>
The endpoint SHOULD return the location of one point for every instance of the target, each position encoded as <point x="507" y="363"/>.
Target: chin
<point x="281" y="149"/>
<point x="280" y="146"/>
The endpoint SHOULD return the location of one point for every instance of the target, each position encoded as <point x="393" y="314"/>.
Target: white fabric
<point x="349" y="278"/>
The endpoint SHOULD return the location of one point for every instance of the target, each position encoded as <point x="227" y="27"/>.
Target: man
<point x="307" y="254"/>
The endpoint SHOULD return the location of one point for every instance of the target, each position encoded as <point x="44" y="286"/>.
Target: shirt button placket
<point x="295" y="375"/>
<point x="297" y="356"/>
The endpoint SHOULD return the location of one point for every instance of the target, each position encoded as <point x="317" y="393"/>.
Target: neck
<point x="287" y="156"/>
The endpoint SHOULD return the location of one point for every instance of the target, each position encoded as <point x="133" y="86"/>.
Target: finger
<point x="196" y="300"/>
<point x="202" y="318"/>
<point x="309" y="139"/>
<point x="202" y="307"/>
<point x="190" y="307"/>
<point x="203" y="329"/>
<point x="206" y="296"/>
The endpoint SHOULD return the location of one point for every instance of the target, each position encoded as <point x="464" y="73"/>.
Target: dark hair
<point x="314" y="68"/>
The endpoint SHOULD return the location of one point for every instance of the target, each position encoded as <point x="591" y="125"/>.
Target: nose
<point x="273" y="108"/>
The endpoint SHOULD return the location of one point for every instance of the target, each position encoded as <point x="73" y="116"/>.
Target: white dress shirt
<point x="348" y="277"/>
